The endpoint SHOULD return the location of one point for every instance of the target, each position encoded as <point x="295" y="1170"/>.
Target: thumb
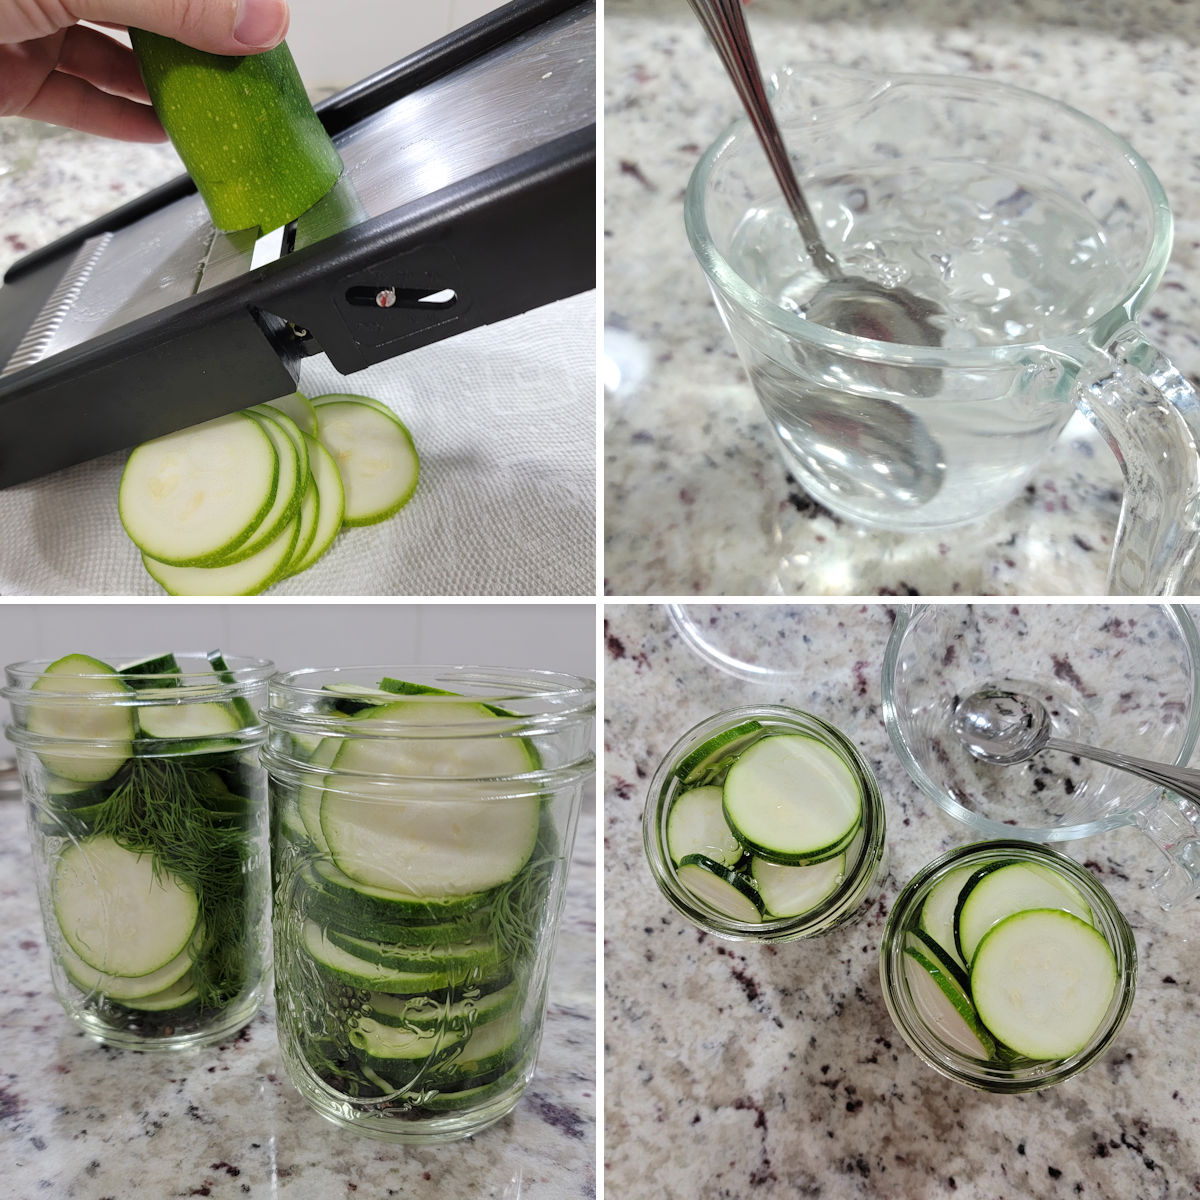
<point x="219" y="26"/>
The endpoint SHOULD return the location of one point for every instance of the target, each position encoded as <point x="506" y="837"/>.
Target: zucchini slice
<point x="109" y="725"/>
<point x="300" y="408"/>
<point x="125" y="989"/>
<point x="348" y="968"/>
<point x="936" y="919"/>
<point x="723" y="889"/>
<point x="792" y="801"/>
<point x="186" y="720"/>
<point x="426" y="1012"/>
<point x="194" y="497"/>
<point x="375" y="457"/>
<point x="793" y="891"/>
<point x="119" y="911"/>
<point x="945" y="1005"/>
<point x="357" y="901"/>
<point x="244" y="127"/>
<point x="713" y="757"/>
<point x="245" y="578"/>
<point x="696" y="825"/>
<point x="1042" y="981"/>
<point x="1010" y="889"/>
<point x="331" y="505"/>
<point x="445" y="844"/>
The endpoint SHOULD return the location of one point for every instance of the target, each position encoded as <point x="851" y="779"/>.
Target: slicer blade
<point x="32" y="347"/>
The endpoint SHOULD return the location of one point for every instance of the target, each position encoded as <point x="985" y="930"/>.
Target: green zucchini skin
<point x="244" y="127"/>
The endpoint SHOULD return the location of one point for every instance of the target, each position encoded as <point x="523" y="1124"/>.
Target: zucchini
<point x="163" y="667"/>
<point x="478" y="1095"/>
<point x="440" y="844"/>
<point x="348" y="968"/>
<point x="1042" y="981"/>
<point x="244" y="128"/>
<point x="375" y="457"/>
<point x="729" y="892"/>
<point x="792" y="801"/>
<point x="946" y="1005"/>
<point x="424" y="1011"/>
<point x="109" y="726"/>
<point x="194" y="498"/>
<point x="713" y="757"/>
<point x="248" y="577"/>
<point x="988" y="899"/>
<point x="331" y="505"/>
<point x="363" y="902"/>
<point x="120" y="911"/>
<point x="696" y="825"/>
<point x="480" y="959"/>
<point x="126" y="989"/>
<point x="794" y="891"/>
<point x="181" y="993"/>
<point x="204" y="720"/>
<point x="300" y="408"/>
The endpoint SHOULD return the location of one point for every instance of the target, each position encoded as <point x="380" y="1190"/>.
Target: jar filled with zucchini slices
<point x="766" y="824"/>
<point x="423" y="820"/>
<point x="147" y="813"/>
<point x="1006" y="966"/>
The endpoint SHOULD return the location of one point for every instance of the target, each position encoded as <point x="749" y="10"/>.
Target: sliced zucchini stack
<point x="763" y="823"/>
<point x="1005" y="962"/>
<point x="148" y="805"/>
<point x="234" y="505"/>
<point x="412" y="924"/>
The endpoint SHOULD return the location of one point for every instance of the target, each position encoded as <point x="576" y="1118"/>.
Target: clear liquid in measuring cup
<point x="1007" y="260"/>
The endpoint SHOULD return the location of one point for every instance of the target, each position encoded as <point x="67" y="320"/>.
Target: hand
<point x="55" y="70"/>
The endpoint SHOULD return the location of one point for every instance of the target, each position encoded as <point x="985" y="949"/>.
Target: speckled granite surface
<point x="742" y="1071"/>
<point x="82" y="1122"/>
<point x="697" y="500"/>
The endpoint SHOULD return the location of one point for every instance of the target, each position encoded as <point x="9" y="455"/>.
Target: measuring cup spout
<point x="1150" y="416"/>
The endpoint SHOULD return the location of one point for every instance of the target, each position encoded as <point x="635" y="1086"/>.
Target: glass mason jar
<point x="422" y="824"/>
<point x="852" y="877"/>
<point x="936" y="1031"/>
<point x="147" y="813"/>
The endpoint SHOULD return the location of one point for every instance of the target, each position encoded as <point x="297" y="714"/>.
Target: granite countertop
<point x="736" y="1070"/>
<point x="79" y="1121"/>
<point x="697" y="500"/>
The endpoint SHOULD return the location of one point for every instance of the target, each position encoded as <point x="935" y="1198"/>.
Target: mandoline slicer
<point x="469" y="196"/>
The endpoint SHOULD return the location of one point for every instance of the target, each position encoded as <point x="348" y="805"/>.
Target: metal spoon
<point x="1005" y="727"/>
<point x="848" y="303"/>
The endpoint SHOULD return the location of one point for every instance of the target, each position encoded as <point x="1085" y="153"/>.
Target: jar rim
<point x="239" y="672"/>
<point x="502" y="683"/>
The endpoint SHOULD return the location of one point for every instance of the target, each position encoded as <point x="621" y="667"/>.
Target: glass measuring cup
<point x="1038" y="232"/>
<point x="1125" y="677"/>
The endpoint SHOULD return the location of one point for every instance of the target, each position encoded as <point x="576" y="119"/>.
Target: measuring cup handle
<point x="1172" y="825"/>
<point x="1150" y="416"/>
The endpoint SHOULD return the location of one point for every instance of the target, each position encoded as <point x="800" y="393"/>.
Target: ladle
<point x="1005" y="727"/>
<point x="848" y="303"/>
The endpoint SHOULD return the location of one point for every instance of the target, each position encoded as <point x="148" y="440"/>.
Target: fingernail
<point x="260" y="22"/>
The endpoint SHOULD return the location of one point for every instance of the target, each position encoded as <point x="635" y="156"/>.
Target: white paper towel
<point x="504" y="420"/>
